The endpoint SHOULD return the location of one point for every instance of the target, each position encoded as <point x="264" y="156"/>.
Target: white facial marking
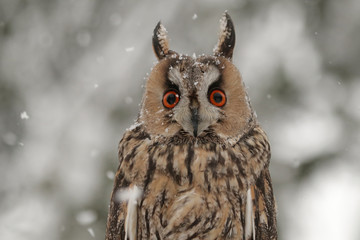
<point x="175" y="76"/>
<point x="211" y="75"/>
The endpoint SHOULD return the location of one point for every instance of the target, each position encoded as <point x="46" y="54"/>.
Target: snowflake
<point x="24" y="115"/>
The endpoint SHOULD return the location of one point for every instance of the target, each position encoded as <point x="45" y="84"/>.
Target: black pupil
<point x="171" y="99"/>
<point x="217" y="97"/>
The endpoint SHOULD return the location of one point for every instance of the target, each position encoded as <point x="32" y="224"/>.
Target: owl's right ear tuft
<point x="226" y="42"/>
<point x="160" y="41"/>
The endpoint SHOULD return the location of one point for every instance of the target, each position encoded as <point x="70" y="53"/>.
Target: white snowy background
<point x="71" y="79"/>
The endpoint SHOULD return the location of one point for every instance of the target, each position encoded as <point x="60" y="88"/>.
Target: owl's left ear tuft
<point x="160" y="41"/>
<point x="226" y="42"/>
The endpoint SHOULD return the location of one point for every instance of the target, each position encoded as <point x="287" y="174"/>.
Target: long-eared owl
<point x="195" y="165"/>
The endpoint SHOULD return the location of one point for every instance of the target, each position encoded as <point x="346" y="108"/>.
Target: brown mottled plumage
<point x="199" y="170"/>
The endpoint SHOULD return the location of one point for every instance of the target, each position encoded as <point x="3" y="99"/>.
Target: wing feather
<point x="264" y="208"/>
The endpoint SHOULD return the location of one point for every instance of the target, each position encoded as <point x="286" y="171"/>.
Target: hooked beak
<point x="195" y="120"/>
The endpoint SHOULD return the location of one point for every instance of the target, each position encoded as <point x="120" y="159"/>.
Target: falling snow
<point x="24" y="116"/>
<point x="130" y="194"/>
<point x="129" y="49"/>
<point x="91" y="232"/>
<point x="110" y="175"/>
<point x="86" y="217"/>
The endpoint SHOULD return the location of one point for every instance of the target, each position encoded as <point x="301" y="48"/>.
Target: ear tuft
<point x="226" y="42"/>
<point x="160" y="41"/>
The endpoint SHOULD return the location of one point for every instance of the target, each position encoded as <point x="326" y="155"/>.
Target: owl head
<point x="196" y="96"/>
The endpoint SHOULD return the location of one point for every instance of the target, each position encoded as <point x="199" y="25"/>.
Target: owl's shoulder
<point x="133" y="137"/>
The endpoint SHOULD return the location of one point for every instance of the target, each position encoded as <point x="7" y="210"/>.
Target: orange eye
<point x="170" y="99"/>
<point x="217" y="98"/>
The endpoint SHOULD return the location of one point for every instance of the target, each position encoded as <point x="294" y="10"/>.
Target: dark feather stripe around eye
<point x="169" y="84"/>
<point x="214" y="85"/>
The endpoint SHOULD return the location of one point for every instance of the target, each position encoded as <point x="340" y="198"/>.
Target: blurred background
<point x="72" y="74"/>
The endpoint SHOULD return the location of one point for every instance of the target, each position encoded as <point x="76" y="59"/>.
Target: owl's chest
<point x="195" y="191"/>
<point x="211" y="169"/>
